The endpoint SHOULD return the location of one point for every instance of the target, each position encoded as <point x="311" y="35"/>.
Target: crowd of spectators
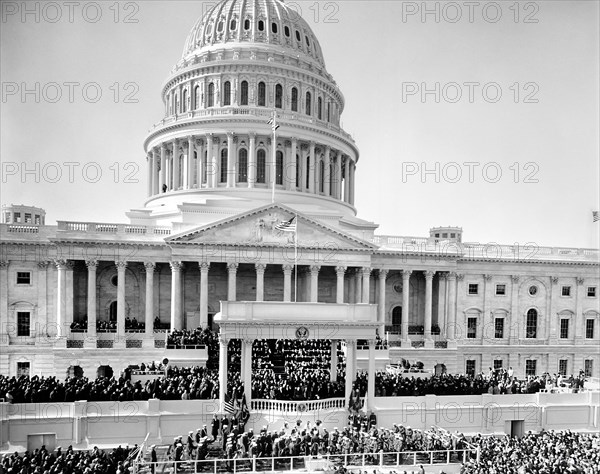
<point x="184" y="338"/>
<point x="68" y="461"/>
<point x="548" y="452"/>
<point x="131" y="324"/>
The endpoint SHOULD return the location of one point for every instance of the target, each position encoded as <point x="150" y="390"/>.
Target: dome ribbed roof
<point x="263" y="22"/>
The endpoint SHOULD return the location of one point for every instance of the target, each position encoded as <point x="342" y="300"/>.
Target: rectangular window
<point x="445" y="235"/>
<point x="23" y="324"/>
<point x="501" y="290"/>
<point x="23" y="278"/>
<point x="531" y="326"/>
<point x="471" y="328"/>
<point x="437" y="235"/>
<point x="564" y="328"/>
<point x="530" y="366"/>
<point x="497" y="364"/>
<point x="588" y="367"/>
<point x="473" y="288"/>
<point x="7" y="217"/>
<point x="37" y="220"/>
<point x="566" y="291"/>
<point x="452" y="235"/>
<point x="562" y="366"/>
<point x="470" y="367"/>
<point x="17" y="217"/>
<point x="22" y="369"/>
<point x="27" y="218"/>
<point x="591" y="291"/>
<point x="589" y="329"/>
<point x="499" y="328"/>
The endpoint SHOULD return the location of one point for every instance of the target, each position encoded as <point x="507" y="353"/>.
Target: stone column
<point x="350" y="368"/>
<point x="121" y="309"/>
<point x="351" y="286"/>
<point x="405" y="306"/>
<point x="487" y="323"/>
<point x="579" y="320"/>
<point x="366" y="285"/>
<point x="514" y="327"/>
<point x="428" y="306"/>
<point x="314" y="283"/>
<point x="553" y="320"/>
<point x="291" y="172"/>
<point x="231" y="281"/>
<point x="312" y="169"/>
<point x="347" y="179"/>
<point x="287" y="282"/>
<point x="175" y="158"/>
<point x="163" y="168"/>
<point x="246" y="367"/>
<point x="156" y="164"/>
<point x="442" y="303"/>
<point x="334" y="361"/>
<point x="223" y="343"/>
<point x="352" y="173"/>
<point x="260" y="281"/>
<point x="149" y="162"/>
<point x="204" y="267"/>
<point x="42" y="299"/>
<point x="200" y="165"/>
<point x="176" y="309"/>
<point x="252" y="161"/>
<point x="69" y="293"/>
<point x="149" y="320"/>
<point x="451" y="324"/>
<point x="303" y="169"/>
<point x="188" y="176"/>
<point x="92" y="266"/>
<point x="339" y="295"/>
<point x="61" y="298"/>
<point x="230" y="161"/>
<point x="371" y="376"/>
<point x="381" y="302"/>
<point x="338" y="175"/>
<point x="358" y="285"/>
<point x="327" y="172"/>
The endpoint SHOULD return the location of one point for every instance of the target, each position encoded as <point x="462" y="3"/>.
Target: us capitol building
<point x="214" y="245"/>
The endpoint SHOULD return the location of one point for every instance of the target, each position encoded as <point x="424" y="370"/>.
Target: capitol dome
<point x="214" y="154"/>
<point x="266" y="23"/>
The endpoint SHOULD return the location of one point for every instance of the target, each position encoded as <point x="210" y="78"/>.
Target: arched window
<point x="329" y="111"/>
<point x="274" y="28"/>
<point x="319" y="108"/>
<point x="196" y="97"/>
<point x="331" y="178"/>
<point x="223" y="171"/>
<point x="531" y="324"/>
<point x="308" y="103"/>
<point x="297" y="171"/>
<point x="184" y="101"/>
<point x="278" y="96"/>
<point x="232" y="25"/>
<point x="294" y="99"/>
<point x="211" y="95"/>
<point x="307" y="172"/>
<point x="262" y="94"/>
<point x="246" y="24"/>
<point x="220" y="26"/>
<point x="227" y="93"/>
<point x="321" y="176"/>
<point x="298" y="36"/>
<point x="243" y="166"/>
<point x="244" y="93"/>
<point x="397" y="320"/>
<point x="307" y="41"/>
<point x="261" y="25"/>
<point x="286" y="31"/>
<point x="279" y="168"/>
<point x="261" y="166"/>
<point x="112" y="311"/>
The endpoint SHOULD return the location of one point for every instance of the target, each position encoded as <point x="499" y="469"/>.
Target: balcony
<point x="104" y="231"/>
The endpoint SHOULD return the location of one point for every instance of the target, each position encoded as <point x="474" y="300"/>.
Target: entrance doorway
<point x="112" y="312"/>
<point x="397" y="320"/>
<point x="517" y="428"/>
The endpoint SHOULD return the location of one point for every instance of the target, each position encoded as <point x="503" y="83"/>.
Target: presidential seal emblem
<point x="302" y="333"/>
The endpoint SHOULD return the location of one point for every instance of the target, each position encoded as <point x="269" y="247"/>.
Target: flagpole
<point x="274" y="177"/>
<point x="296" y="262"/>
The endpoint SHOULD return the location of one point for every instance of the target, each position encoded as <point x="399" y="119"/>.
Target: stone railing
<point x="297" y="406"/>
<point x="112" y="229"/>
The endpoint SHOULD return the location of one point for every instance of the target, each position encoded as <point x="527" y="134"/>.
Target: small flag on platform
<point x="287" y="226"/>
<point x="595" y="217"/>
<point x="228" y="406"/>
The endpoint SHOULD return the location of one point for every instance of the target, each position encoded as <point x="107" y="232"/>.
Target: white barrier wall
<point x="84" y="424"/>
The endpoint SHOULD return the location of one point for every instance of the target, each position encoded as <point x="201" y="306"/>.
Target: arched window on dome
<point x="243" y="166"/>
<point x="244" y="93"/>
<point x="531" y="324"/>
<point x="294" y="99"/>
<point x="307" y="41"/>
<point x="196" y="97"/>
<point x="232" y="25"/>
<point x="274" y="28"/>
<point x="279" y="167"/>
<point x="211" y="95"/>
<point x="262" y="94"/>
<point x="227" y="93"/>
<point x="278" y="96"/>
<point x="261" y="166"/>
<point x="223" y="170"/>
<point x="331" y="178"/>
<point x="246" y="24"/>
<point x="298" y="38"/>
<point x="319" y="108"/>
<point x="307" y="187"/>
<point x="220" y="26"/>
<point x="297" y="171"/>
<point x="184" y="101"/>
<point x="308" y="103"/>
<point x="261" y="25"/>
<point x="329" y="111"/>
<point x="286" y="31"/>
<point x="321" y="176"/>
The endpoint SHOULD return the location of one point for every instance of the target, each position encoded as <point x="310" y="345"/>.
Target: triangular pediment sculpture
<point x="271" y="225"/>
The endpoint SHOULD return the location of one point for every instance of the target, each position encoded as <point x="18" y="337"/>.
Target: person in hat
<point x="153" y="458"/>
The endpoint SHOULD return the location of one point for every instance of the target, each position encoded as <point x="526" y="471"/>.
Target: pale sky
<point x="541" y="134"/>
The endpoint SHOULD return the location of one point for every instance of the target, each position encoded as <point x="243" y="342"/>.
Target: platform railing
<point x="297" y="406"/>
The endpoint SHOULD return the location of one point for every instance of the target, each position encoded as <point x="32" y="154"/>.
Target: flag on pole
<point x="273" y="123"/>
<point x="228" y="406"/>
<point x="595" y="217"/>
<point x="287" y="226"/>
<point x="244" y="411"/>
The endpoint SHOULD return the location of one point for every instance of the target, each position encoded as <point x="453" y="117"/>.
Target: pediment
<point x="259" y="228"/>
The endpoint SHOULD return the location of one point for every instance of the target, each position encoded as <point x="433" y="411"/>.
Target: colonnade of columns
<point x="215" y="161"/>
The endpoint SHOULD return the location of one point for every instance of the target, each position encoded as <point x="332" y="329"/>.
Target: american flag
<point x="273" y="123"/>
<point x="287" y="226"/>
<point x="228" y="406"/>
<point x="595" y="216"/>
